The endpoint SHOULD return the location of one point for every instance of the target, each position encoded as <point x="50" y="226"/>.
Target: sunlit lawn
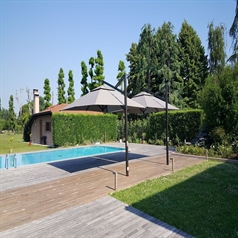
<point x="201" y="200"/>
<point x="18" y="145"/>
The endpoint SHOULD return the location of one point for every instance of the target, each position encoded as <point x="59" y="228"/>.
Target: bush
<point x="222" y="151"/>
<point x="159" y="142"/>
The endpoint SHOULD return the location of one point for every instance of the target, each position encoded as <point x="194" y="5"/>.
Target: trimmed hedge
<point x="183" y="124"/>
<point x="73" y="129"/>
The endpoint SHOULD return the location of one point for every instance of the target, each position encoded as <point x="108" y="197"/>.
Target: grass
<point x="17" y="144"/>
<point x="201" y="200"/>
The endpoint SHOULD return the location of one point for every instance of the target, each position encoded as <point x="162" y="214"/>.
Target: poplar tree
<point x="99" y="70"/>
<point x="47" y="93"/>
<point x="70" y="90"/>
<point x="216" y="48"/>
<point x="42" y="103"/>
<point x="121" y="73"/>
<point x="84" y="81"/>
<point x="12" y="116"/>
<point x="61" y="86"/>
<point x="91" y="62"/>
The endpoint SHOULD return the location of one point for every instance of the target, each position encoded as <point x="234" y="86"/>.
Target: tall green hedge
<point x="72" y="129"/>
<point x="183" y="124"/>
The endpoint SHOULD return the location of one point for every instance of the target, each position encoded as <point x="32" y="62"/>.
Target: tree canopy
<point x="47" y="93"/>
<point x="153" y="60"/>
<point x="233" y="32"/>
<point x="84" y="80"/>
<point x="216" y="47"/>
<point x="61" y="86"/>
<point x="99" y="69"/>
<point x="121" y="72"/>
<point x="219" y="100"/>
<point x="70" y="90"/>
<point x="194" y="65"/>
<point x="12" y="116"/>
<point x="96" y="73"/>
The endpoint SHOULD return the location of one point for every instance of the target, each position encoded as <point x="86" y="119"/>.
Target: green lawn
<point x="18" y="145"/>
<point x="201" y="200"/>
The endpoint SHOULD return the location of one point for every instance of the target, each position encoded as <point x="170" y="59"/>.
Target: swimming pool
<point x="22" y="159"/>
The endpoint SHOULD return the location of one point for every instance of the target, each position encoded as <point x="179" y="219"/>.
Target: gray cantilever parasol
<point x="103" y="99"/>
<point x="151" y="103"/>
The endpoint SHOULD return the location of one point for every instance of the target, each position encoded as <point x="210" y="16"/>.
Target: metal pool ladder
<point x="7" y="161"/>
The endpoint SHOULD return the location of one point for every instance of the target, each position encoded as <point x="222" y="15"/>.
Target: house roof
<point x="57" y="108"/>
<point x="54" y="108"/>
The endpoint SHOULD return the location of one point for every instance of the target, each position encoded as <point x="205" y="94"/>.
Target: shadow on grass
<point x="203" y="201"/>
<point x="80" y="164"/>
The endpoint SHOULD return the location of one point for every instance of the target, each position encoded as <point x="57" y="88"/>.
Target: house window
<point x="48" y="126"/>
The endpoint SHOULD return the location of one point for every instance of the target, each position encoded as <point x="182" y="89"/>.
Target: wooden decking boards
<point x="105" y="217"/>
<point x="30" y="203"/>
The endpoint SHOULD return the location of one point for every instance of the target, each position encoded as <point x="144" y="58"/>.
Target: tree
<point x="12" y="116"/>
<point x="61" y="86"/>
<point x="4" y="119"/>
<point x="47" y="93"/>
<point x="233" y="32"/>
<point x="194" y="64"/>
<point x="84" y="81"/>
<point x="122" y="72"/>
<point x="91" y="62"/>
<point x="168" y="62"/>
<point x="143" y="61"/>
<point x="216" y="48"/>
<point x="99" y="69"/>
<point x="70" y="91"/>
<point x="42" y="104"/>
<point x="152" y="59"/>
<point x="219" y="100"/>
<point x="147" y="60"/>
<point x="135" y="84"/>
<point x="29" y="101"/>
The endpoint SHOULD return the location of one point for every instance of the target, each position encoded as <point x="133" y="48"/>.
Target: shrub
<point x="159" y="142"/>
<point x="224" y="151"/>
<point x="150" y="141"/>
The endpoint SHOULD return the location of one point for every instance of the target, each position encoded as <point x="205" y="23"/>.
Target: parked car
<point x="201" y="139"/>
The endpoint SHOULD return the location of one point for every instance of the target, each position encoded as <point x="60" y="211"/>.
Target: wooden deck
<point x="105" y="217"/>
<point x="27" y="203"/>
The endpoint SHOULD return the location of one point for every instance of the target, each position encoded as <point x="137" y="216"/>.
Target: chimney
<point x="36" y="101"/>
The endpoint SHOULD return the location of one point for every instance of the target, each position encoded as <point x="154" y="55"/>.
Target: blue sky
<point x="40" y="37"/>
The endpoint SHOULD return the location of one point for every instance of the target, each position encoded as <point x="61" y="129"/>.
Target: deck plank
<point x="34" y="200"/>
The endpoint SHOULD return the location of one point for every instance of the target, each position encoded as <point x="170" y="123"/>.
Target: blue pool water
<point x="54" y="155"/>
